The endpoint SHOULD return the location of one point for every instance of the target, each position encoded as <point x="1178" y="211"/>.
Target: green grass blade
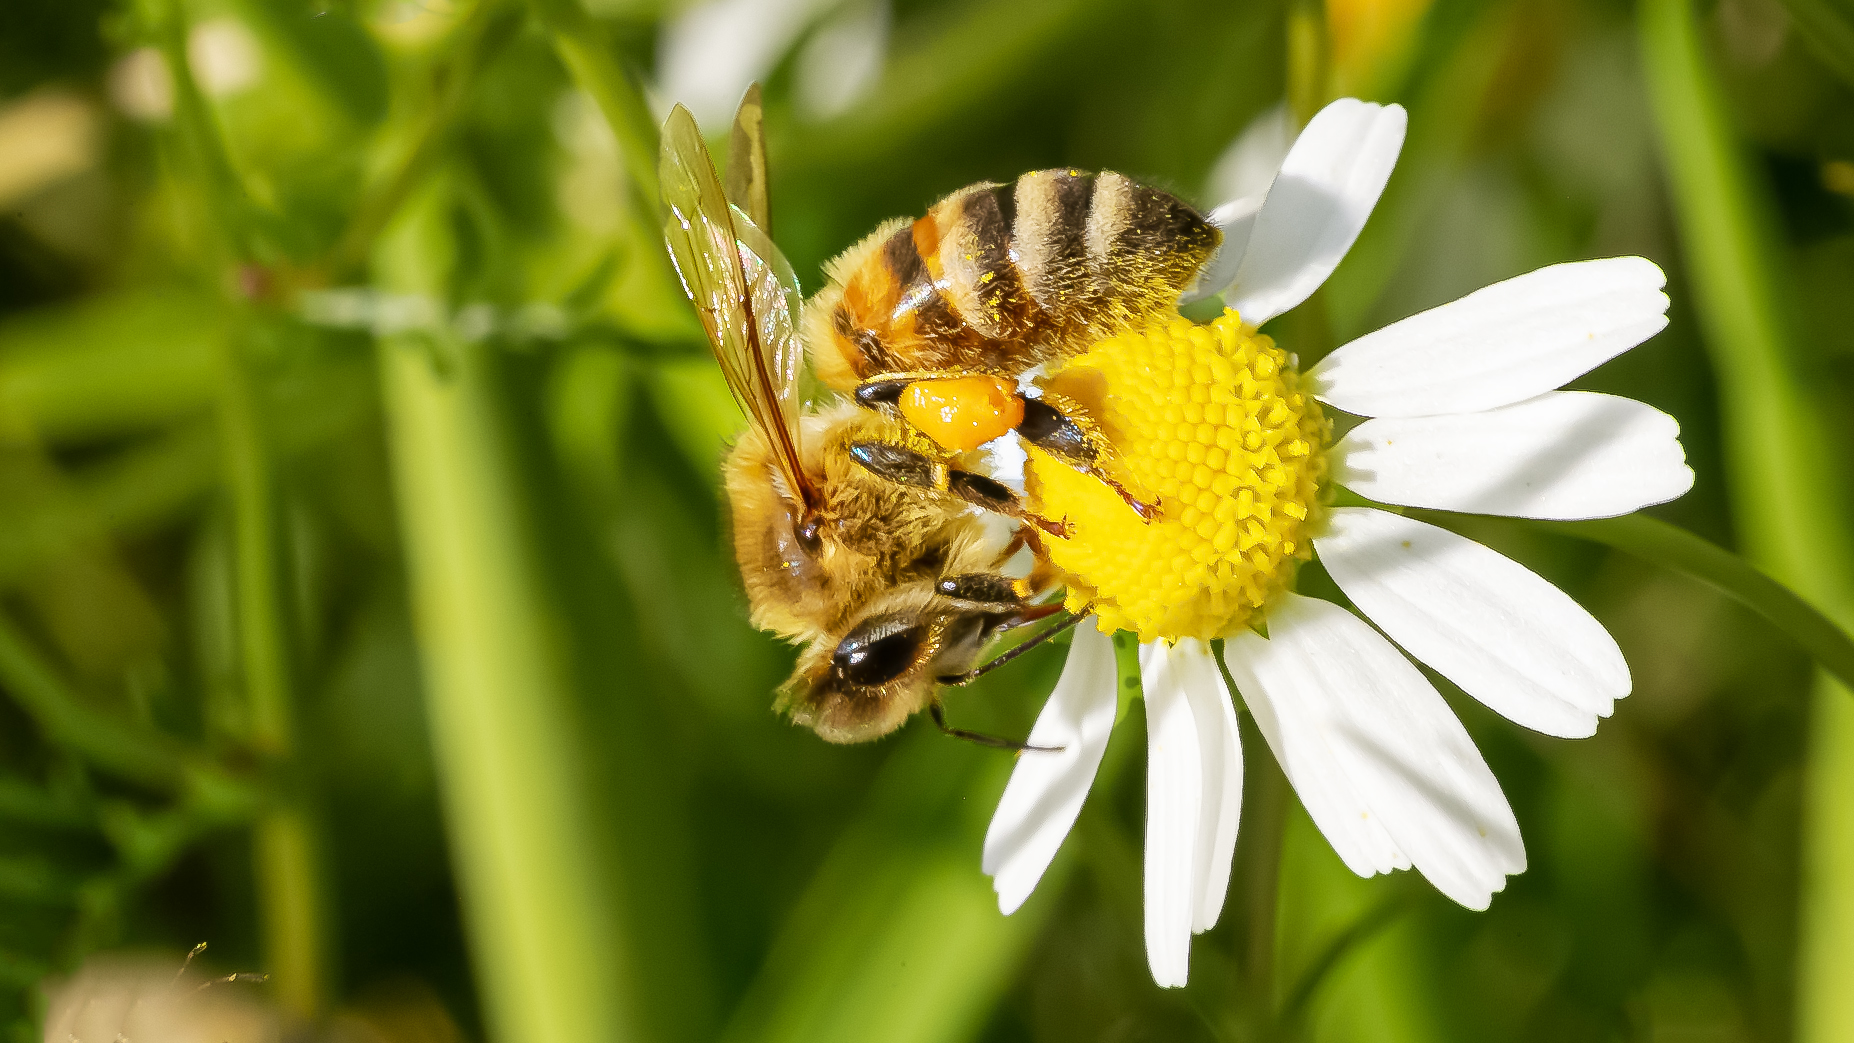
<point x="1786" y="475"/>
<point x="1680" y="551"/>
<point x="499" y="690"/>
<point x="898" y="936"/>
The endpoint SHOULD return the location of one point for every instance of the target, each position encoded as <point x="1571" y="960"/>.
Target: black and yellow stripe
<point x="1000" y="278"/>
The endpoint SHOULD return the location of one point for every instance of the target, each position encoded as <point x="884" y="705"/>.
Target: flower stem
<point x="500" y="687"/>
<point x="1678" y="550"/>
<point x="1306" y="59"/>
<point x="1259" y="881"/>
<point x="286" y="846"/>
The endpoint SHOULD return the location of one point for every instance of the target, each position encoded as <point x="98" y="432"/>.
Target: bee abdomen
<point x="1102" y="251"/>
<point x="1000" y="278"/>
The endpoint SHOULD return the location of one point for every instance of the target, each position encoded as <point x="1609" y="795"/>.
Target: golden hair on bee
<point x="869" y="533"/>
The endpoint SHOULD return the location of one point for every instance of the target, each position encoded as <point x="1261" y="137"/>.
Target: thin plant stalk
<point x="1786" y="484"/>
<point x="286" y="848"/>
<point x="498" y="677"/>
<point x="291" y="900"/>
<point x="588" y="55"/>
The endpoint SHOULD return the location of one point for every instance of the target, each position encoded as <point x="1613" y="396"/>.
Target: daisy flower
<point x="1461" y="413"/>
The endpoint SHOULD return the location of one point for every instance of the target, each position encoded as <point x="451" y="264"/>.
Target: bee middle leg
<point x="898" y="463"/>
<point x="1078" y="445"/>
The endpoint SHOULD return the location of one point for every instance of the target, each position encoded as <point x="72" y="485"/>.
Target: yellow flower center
<point x="1209" y="422"/>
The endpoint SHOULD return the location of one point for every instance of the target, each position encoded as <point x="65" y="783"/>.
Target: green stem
<point x="285" y="842"/>
<point x="1678" y="550"/>
<point x="487" y="28"/>
<point x="588" y="54"/>
<point x="1307" y="48"/>
<point x="1259" y="882"/>
<point x="499" y="675"/>
<point x="202" y="150"/>
<point x="1781" y="456"/>
<point x="1787" y="477"/>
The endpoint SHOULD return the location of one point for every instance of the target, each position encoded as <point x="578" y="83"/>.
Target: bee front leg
<point x="883" y="391"/>
<point x="898" y="463"/>
<point x="1078" y="445"/>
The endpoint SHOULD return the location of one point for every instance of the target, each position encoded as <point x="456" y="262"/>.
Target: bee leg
<point x="900" y="464"/>
<point x="990" y="592"/>
<point x="938" y="711"/>
<point x="983" y="590"/>
<point x="883" y="391"/>
<point x="995" y="496"/>
<point x="1067" y="439"/>
<point x="1009" y="654"/>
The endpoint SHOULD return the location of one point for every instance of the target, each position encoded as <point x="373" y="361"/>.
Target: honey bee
<point x="883" y="572"/>
<point x="863" y="528"/>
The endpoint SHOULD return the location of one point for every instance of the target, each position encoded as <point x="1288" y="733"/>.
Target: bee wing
<point x="742" y="288"/>
<point x="746" y="161"/>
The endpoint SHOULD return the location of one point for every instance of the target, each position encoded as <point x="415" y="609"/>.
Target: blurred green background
<point x="364" y="603"/>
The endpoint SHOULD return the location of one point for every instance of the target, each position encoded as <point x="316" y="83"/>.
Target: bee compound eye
<point x="876" y="653"/>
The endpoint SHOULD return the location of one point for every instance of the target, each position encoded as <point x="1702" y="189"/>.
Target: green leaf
<point x="898" y="937"/>
<point x="332" y="50"/>
<point x="108" y="366"/>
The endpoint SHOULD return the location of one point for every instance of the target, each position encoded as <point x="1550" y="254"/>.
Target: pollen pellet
<point x="1211" y="423"/>
<point x="962" y="413"/>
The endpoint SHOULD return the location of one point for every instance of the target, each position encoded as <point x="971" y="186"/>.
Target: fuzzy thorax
<point x="1212" y="424"/>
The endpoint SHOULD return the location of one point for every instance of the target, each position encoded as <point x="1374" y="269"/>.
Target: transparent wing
<point x="746" y="161"/>
<point x="742" y="288"/>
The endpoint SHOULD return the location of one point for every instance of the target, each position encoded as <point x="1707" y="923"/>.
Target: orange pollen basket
<point x="961" y="413"/>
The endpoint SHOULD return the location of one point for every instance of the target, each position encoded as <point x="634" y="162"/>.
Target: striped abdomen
<point x="1000" y="278"/>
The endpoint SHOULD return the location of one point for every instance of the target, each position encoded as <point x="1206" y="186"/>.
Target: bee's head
<point x="882" y="668"/>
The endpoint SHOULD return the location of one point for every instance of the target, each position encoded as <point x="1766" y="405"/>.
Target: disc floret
<point x="1209" y="422"/>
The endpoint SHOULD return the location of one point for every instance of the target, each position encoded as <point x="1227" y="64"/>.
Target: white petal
<point x="1250" y="163"/>
<point x="1220" y="753"/>
<point x="1481" y="619"/>
<point x="1047" y="789"/>
<point x="1235" y="219"/>
<point x="1293" y="723"/>
<point x="1368" y="726"/>
<point x="1501" y="344"/>
<point x="1318" y="204"/>
<point x="1174" y="795"/>
<point x="1188" y="668"/>
<point x="1565" y="454"/>
<point x="708" y="54"/>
